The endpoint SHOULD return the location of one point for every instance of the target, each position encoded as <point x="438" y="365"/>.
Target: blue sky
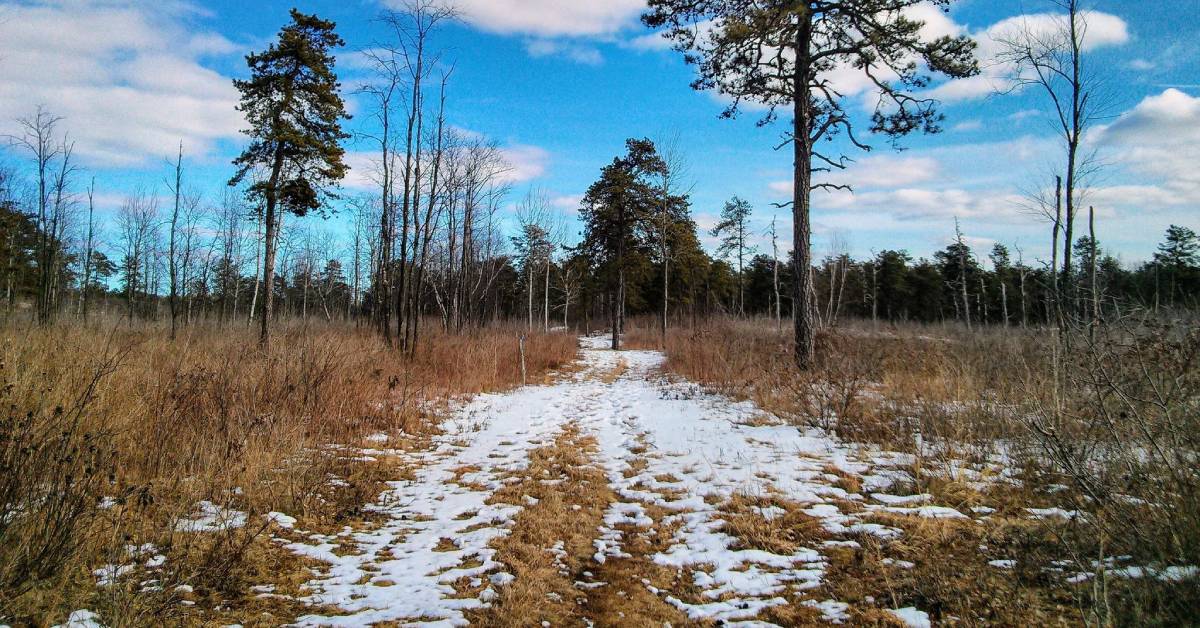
<point x="561" y="84"/>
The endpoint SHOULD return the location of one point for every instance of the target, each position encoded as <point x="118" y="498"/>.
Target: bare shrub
<point x="54" y="467"/>
<point x="1119" y="419"/>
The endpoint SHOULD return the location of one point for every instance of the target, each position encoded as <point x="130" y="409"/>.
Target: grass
<point x="1100" y="421"/>
<point x="109" y="435"/>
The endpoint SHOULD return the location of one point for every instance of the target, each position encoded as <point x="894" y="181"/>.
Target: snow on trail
<point x="701" y="450"/>
<point x="694" y="451"/>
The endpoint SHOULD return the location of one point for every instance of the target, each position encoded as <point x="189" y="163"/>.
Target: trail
<point x="664" y="445"/>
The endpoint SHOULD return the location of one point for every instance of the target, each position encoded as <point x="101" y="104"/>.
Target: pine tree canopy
<point x="295" y="111"/>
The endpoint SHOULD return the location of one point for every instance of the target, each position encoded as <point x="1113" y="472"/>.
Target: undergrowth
<point x="111" y="436"/>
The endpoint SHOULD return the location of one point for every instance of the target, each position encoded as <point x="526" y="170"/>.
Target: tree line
<point x="429" y="243"/>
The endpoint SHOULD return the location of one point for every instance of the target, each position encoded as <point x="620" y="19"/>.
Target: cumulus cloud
<point x="912" y="204"/>
<point x="526" y="163"/>
<point x="1158" y="139"/>
<point x="567" y="202"/>
<point x="523" y="163"/>
<point x="126" y="78"/>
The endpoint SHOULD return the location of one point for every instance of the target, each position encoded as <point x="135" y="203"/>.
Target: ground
<point x="667" y="504"/>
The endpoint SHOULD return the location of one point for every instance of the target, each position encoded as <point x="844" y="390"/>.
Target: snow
<point x="82" y="619"/>
<point x="929" y="512"/>
<point x="109" y="574"/>
<point x="1052" y="513"/>
<point x="281" y="520"/>
<point x="209" y="517"/>
<point x="912" y="617"/>
<point x="694" y="451"/>
<point x="832" y="611"/>
<point x="896" y="500"/>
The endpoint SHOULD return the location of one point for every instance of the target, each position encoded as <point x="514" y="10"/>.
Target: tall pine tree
<point x="617" y="212"/>
<point x="783" y="54"/>
<point x="293" y="103"/>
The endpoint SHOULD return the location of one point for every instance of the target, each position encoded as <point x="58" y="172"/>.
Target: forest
<point x="444" y="397"/>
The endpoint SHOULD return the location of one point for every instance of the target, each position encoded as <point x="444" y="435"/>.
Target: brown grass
<point x="1099" y="420"/>
<point x="105" y="414"/>
<point x="569" y="510"/>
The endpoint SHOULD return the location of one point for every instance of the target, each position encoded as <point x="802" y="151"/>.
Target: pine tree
<point x="617" y="212"/>
<point x="733" y="233"/>
<point x="293" y="103"/>
<point x="533" y="251"/>
<point x="782" y="54"/>
<point x="1178" y="258"/>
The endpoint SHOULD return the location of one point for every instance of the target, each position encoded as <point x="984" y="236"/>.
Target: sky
<point x="561" y="84"/>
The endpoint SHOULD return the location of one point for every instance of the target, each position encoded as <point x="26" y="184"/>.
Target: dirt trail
<point x="693" y="476"/>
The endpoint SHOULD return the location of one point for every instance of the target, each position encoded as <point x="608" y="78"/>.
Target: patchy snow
<point x="108" y="575"/>
<point x="898" y="500"/>
<point x="1052" y="513"/>
<point x="209" y="517"/>
<point x="832" y="611"/>
<point x="1003" y="563"/>
<point x="82" y="619"/>
<point x="666" y="447"/>
<point x="929" y="512"/>
<point x="912" y="617"/>
<point x="281" y="520"/>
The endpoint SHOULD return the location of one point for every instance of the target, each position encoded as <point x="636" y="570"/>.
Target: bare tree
<point x="172" y="258"/>
<point x="672" y="208"/>
<point x="88" y="252"/>
<point x="775" y="272"/>
<point x="136" y="220"/>
<point x="1052" y="60"/>
<point x="38" y="139"/>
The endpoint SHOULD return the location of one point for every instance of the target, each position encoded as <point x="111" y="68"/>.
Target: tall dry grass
<point x="1101" y="421"/>
<point x="109" y="435"/>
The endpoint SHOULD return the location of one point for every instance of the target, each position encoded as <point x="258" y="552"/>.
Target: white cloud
<point x="968" y="125"/>
<point x="550" y="18"/>
<point x="570" y="50"/>
<point x="125" y="78"/>
<point x="883" y="171"/>
<point x="912" y="204"/>
<point x="567" y="201"/>
<point x="364" y="168"/>
<point x="651" y="41"/>
<point x="1158" y="139"/>
<point x="526" y="163"/>
<point x="1102" y="30"/>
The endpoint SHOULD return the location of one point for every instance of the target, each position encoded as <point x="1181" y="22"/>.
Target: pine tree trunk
<point x="802" y="188"/>
<point x="270" y="221"/>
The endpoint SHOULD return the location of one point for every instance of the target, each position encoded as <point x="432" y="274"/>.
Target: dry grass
<point x="551" y="549"/>
<point x="109" y="435"/>
<point x="551" y="543"/>
<point x="1101" y="421"/>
